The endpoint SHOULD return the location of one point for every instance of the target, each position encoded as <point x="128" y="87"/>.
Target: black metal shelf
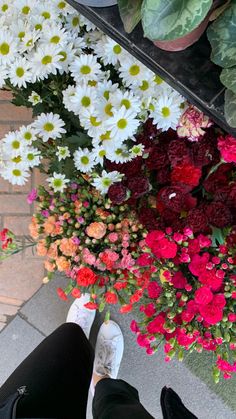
<point x="190" y="72"/>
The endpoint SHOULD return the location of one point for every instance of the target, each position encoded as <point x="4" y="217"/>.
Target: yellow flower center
<point x="55" y="39"/>
<point x="136" y="150"/>
<point x="134" y="70"/>
<point x="106" y="136"/>
<point x="57" y="183"/>
<point x="30" y="156"/>
<point x="27" y="136"/>
<point x="106" y="182"/>
<point x="75" y="21"/>
<point x="144" y="86"/>
<point x="64" y="56"/>
<point x="102" y="153"/>
<point x="152" y="107"/>
<point x="16" y="172"/>
<point x="16" y="144"/>
<point x="108" y="109"/>
<point x="94" y="121"/>
<point x="4" y="48"/>
<point x="61" y="5"/>
<point x="118" y="151"/>
<point x="84" y="160"/>
<point x="117" y="49"/>
<point x="126" y="103"/>
<point x="4" y="7"/>
<point x="48" y="127"/>
<point x="21" y="35"/>
<point x="122" y="123"/>
<point x="85" y="101"/>
<point x="25" y="10"/>
<point x="47" y="59"/>
<point x="20" y="72"/>
<point x="165" y="111"/>
<point x="46" y="15"/>
<point x="38" y="27"/>
<point x="92" y="83"/>
<point x="158" y="80"/>
<point x="85" y="69"/>
<point x="17" y="159"/>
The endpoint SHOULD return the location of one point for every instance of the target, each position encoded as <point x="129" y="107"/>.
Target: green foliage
<point x="130" y="13"/>
<point x="222" y="36"/>
<point x="172" y="19"/>
<point x="228" y="78"/>
<point x="230" y="108"/>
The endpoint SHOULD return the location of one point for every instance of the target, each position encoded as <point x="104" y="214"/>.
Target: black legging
<point x="57" y="375"/>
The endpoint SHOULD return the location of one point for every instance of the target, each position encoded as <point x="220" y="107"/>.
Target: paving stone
<point x="9" y="112"/>
<point x="4" y="129"/>
<point x="10" y="300"/>
<point x="2" y="325"/>
<point x="14" y="204"/>
<point x="4" y="185"/>
<point x="5" y="95"/>
<point x="8" y="309"/>
<point x="17" y="341"/>
<point x="3" y="318"/>
<point x="18" y="224"/>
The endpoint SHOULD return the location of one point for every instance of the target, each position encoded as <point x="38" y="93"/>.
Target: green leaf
<point x="217" y="236"/>
<point x="230" y="108"/>
<point x="222" y="37"/>
<point x="228" y="78"/>
<point x="80" y="140"/>
<point x="130" y="13"/>
<point x="172" y="19"/>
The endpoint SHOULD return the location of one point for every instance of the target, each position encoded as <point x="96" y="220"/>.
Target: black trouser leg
<point x="57" y="375"/>
<point x="116" y="399"/>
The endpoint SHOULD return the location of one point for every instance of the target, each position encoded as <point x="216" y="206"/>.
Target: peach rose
<point x="33" y="228"/>
<point x="52" y="251"/>
<point x="102" y="213"/>
<point x="62" y="264"/>
<point x="41" y="248"/>
<point x="49" y="266"/>
<point x="49" y="225"/>
<point x="68" y="247"/>
<point x="97" y="230"/>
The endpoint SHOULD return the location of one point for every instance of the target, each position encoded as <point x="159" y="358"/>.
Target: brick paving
<point x="21" y="275"/>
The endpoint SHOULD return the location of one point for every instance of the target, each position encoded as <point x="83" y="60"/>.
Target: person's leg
<point x="57" y="375"/>
<point x="113" y="398"/>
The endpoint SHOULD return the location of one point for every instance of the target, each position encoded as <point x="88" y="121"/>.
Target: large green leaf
<point x="228" y="78"/>
<point x="130" y="13"/>
<point x="230" y="108"/>
<point x="172" y="19"/>
<point x="222" y="36"/>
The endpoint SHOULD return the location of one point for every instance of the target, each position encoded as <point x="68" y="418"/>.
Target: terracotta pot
<point x="97" y="3"/>
<point x="184" y="42"/>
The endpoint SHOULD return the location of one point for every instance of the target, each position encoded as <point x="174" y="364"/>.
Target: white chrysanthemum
<point x="54" y="34"/>
<point x="5" y="6"/>
<point x="8" y="47"/>
<point x="63" y="7"/>
<point x="92" y="38"/>
<point x="90" y="121"/>
<point x="28" y="41"/>
<point x="45" y="61"/>
<point x="105" y="88"/>
<point x="137" y="150"/>
<point x="20" y="73"/>
<point x="85" y="68"/>
<point x="58" y="182"/>
<point x="78" y="44"/>
<point x="88" y="25"/>
<point x="166" y="112"/>
<point x="32" y="156"/>
<point x="132" y="71"/>
<point x="160" y="86"/>
<point x="102" y="183"/>
<point x="119" y="155"/>
<point x="123" y="124"/>
<point x="84" y="161"/>
<point x="25" y="7"/>
<point x="3" y="75"/>
<point x="108" y="50"/>
<point x="104" y="109"/>
<point x="13" y="144"/>
<point x="126" y="99"/>
<point x="145" y="89"/>
<point x="67" y="53"/>
<point x="27" y="134"/>
<point x="38" y="23"/>
<point x="15" y="174"/>
<point x="34" y="98"/>
<point x="47" y="10"/>
<point x="74" y="23"/>
<point x="19" y="28"/>
<point x="62" y="152"/>
<point x="85" y="96"/>
<point x="99" y="153"/>
<point x="104" y="139"/>
<point x="68" y="95"/>
<point x="49" y="126"/>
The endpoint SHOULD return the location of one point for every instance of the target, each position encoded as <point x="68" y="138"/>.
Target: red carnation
<point x="145" y="260"/>
<point x="138" y="185"/>
<point x="163" y="176"/>
<point x="204" y="152"/>
<point x="178" y="152"/>
<point x="129" y="169"/>
<point x="117" y="193"/>
<point x="86" y="277"/>
<point x="148" y="217"/>
<point x="153" y="237"/>
<point x="219" y="215"/>
<point x="174" y="198"/>
<point x="154" y="290"/>
<point x="165" y="248"/>
<point x="178" y="280"/>
<point x="111" y="297"/>
<point x="157" y="158"/>
<point x="186" y="174"/>
<point x="227" y="147"/>
<point x="91" y="305"/>
<point x="203" y="296"/>
<point x="156" y="325"/>
<point x="126" y="308"/>
<point x="211" y="313"/>
<point x="149" y="310"/>
<point x="196" y="220"/>
<point x="62" y="294"/>
<point x="76" y="293"/>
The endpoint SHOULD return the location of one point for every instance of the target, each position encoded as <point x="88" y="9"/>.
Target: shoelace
<point x="106" y="358"/>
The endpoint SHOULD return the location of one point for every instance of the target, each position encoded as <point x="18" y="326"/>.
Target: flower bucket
<point x="97" y="3"/>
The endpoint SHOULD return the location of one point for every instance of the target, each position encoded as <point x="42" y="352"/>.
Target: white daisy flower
<point x="3" y="75"/>
<point x="68" y="95"/>
<point x="32" y="156"/>
<point x="92" y="38"/>
<point x="78" y="44"/>
<point x="137" y="150"/>
<point x="126" y="99"/>
<point x="105" y="139"/>
<point x="20" y="73"/>
<point x="99" y="153"/>
<point x="145" y="88"/>
<point x="89" y="25"/>
<point x="85" y="96"/>
<point x="58" y="182"/>
<point x="13" y="144"/>
<point x="119" y="155"/>
<point x="132" y="71"/>
<point x="34" y="98"/>
<point x="38" y="23"/>
<point x="49" y="126"/>
<point x="102" y="183"/>
<point x="123" y="124"/>
<point x="67" y="53"/>
<point x="105" y="88"/>
<point x="54" y="34"/>
<point x="29" y="40"/>
<point x="47" y="10"/>
<point x="108" y="50"/>
<point x="25" y="7"/>
<point x="165" y="113"/>
<point x="104" y="109"/>
<point x="27" y="134"/>
<point x="8" y="47"/>
<point x="62" y="152"/>
<point x="15" y="174"/>
<point x="74" y="22"/>
<point x="83" y="159"/>
<point x="160" y="85"/>
<point x="63" y="7"/>
<point x="85" y="68"/>
<point x="45" y="61"/>
<point x="19" y="28"/>
<point x="5" y="6"/>
<point x="90" y="121"/>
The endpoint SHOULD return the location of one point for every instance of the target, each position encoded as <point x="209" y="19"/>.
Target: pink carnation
<point x="227" y="147"/>
<point x="32" y="196"/>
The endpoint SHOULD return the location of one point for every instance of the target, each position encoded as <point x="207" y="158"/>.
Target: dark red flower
<point x="196" y="220"/>
<point x="148" y="217"/>
<point x="178" y="152"/>
<point x="204" y="152"/>
<point x="218" y="214"/>
<point x="164" y="248"/>
<point x="156" y="325"/>
<point x="129" y="169"/>
<point x="163" y="175"/>
<point x="211" y="313"/>
<point x="138" y="185"/>
<point x="175" y="198"/>
<point x="157" y="158"/>
<point x="117" y="193"/>
<point x="186" y="174"/>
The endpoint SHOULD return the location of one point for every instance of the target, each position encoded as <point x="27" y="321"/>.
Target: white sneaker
<point x="109" y="351"/>
<point x="81" y="315"/>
